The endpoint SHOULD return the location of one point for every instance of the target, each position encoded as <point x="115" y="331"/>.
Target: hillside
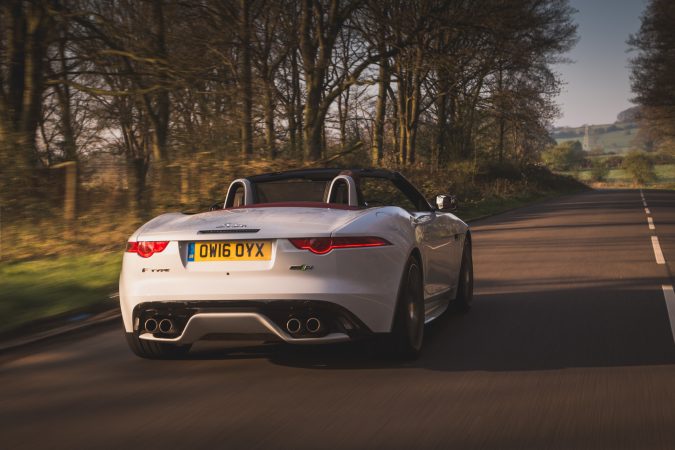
<point x="611" y="138"/>
<point x="618" y="137"/>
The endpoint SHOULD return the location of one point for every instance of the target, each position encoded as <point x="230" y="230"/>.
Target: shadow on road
<point x="624" y="325"/>
<point x="569" y="206"/>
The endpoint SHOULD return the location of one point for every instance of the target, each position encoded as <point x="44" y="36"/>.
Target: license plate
<point x="230" y="251"/>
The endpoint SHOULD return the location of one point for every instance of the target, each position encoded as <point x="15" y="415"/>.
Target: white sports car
<point x="305" y="257"/>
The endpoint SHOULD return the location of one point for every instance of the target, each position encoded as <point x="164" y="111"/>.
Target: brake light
<point x="323" y="245"/>
<point x="146" y="249"/>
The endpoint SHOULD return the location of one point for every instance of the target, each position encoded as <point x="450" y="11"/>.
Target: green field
<point x="32" y="290"/>
<point x="615" y="141"/>
<point x="665" y="174"/>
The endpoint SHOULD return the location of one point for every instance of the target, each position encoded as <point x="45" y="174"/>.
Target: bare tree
<point x="25" y="31"/>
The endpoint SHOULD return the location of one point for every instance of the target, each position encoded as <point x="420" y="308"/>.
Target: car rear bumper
<point x="230" y="320"/>
<point x="363" y="282"/>
<point x="238" y="325"/>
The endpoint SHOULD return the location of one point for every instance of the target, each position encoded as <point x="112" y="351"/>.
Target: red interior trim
<point x="298" y="205"/>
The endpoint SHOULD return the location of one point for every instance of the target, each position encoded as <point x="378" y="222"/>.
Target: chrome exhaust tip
<point x="313" y="325"/>
<point x="166" y="325"/>
<point x="150" y="325"/>
<point x="293" y="325"/>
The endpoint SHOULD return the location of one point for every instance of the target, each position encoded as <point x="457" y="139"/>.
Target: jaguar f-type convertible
<point x="303" y="257"/>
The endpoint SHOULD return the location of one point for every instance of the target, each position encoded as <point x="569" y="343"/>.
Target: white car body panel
<point x="364" y="281"/>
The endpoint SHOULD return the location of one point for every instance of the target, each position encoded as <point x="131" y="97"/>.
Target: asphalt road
<point x="568" y="346"/>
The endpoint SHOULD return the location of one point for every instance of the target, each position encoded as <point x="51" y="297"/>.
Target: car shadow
<point x="538" y="329"/>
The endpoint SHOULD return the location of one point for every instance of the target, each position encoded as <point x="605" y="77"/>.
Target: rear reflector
<point x="323" y="245"/>
<point x="146" y="249"/>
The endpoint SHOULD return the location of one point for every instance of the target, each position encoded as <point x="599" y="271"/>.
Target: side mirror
<point x="216" y="206"/>
<point x="446" y="203"/>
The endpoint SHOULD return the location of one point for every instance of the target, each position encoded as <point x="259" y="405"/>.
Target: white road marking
<point x="669" y="294"/>
<point x="657" y="251"/>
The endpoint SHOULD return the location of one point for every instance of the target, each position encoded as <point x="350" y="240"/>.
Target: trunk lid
<point x="248" y="223"/>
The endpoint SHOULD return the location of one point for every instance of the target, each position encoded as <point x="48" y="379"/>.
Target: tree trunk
<point x="402" y="119"/>
<point x="160" y="115"/>
<point x="380" y="113"/>
<point x="246" y="80"/>
<point x="343" y="115"/>
<point x="395" y="121"/>
<point x="137" y="173"/>
<point x="291" y="106"/>
<point x="297" y="96"/>
<point x="63" y="95"/>
<point x="452" y="134"/>
<point x="500" y="113"/>
<point x="270" y="136"/>
<point x="23" y="33"/>
<point x="439" y="149"/>
<point x="313" y="124"/>
<point x="414" y="111"/>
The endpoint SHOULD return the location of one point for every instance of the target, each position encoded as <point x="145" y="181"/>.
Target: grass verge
<point x="665" y="177"/>
<point x="40" y="289"/>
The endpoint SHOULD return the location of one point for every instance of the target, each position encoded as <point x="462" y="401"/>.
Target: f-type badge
<point x="303" y="267"/>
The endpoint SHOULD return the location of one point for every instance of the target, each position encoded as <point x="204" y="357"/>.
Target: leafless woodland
<point x="169" y="91"/>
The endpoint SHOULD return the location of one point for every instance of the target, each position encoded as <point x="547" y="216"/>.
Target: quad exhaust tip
<point x="313" y="325"/>
<point x="293" y="325"/>
<point x="166" y="325"/>
<point x="151" y="325"/>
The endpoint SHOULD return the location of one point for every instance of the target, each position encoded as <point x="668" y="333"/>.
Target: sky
<point x="598" y="81"/>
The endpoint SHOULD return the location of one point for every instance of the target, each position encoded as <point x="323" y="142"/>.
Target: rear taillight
<point x="146" y="249"/>
<point x="323" y="245"/>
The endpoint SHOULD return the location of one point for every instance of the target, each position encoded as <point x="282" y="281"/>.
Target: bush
<point x="639" y="166"/>
<point x="506" y="170"/>
<point x="614" y="161"/>
<point x="664" y="157"/>
<point x="565" y="156"/>
<point x="599" y="170"/>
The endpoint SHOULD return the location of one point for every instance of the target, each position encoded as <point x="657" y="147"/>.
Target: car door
<point x="449" y="231"/>
<point x="435" y="244"/>
<point x="432" y="230"/>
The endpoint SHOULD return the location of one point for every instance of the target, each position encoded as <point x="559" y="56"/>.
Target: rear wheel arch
<point x="417" y="256"/>
<point x="407" y="331"/>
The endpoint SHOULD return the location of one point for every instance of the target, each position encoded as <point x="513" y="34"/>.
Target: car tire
<point x="465" y="287"/>
<point x="155" y="350"/>
<point x="407" y="336"/>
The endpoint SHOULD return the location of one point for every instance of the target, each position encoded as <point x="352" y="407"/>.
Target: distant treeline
<point x="422" y="82"/>
<point x="567" y="133"/>
<point x="653" y="77"/>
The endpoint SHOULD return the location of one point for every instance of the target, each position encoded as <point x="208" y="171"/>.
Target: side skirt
<point x="435" y="306"/>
